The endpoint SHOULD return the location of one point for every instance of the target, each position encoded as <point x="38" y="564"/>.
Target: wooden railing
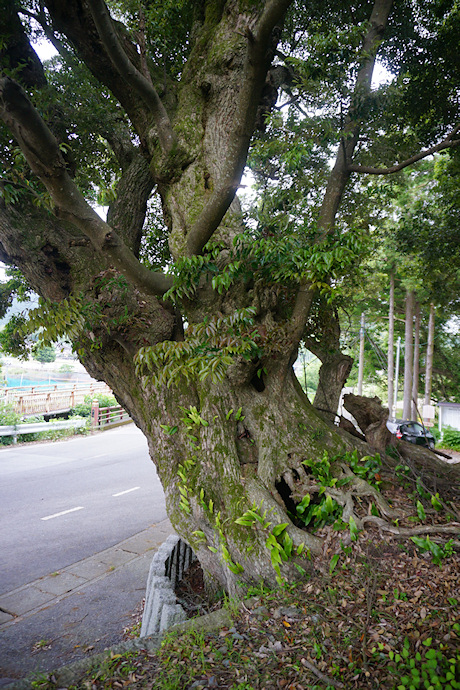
<point x="43" y="399"/>
<point x="105" y="417"/>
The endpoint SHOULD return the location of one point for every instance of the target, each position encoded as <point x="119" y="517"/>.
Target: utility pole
<point x="395" y="401"/>
<point x="361" y="355"/>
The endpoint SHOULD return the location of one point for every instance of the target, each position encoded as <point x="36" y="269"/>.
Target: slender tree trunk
<point x="391" y="351"/>
<point x="429" y="356"/>
<point x="408" y="354"/>
<point x="361" y="355"/>
<point x="415" y="378"/>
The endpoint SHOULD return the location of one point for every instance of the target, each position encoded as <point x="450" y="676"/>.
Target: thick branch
<point x="340" y="173"/>
<point x="45" y="159"/>
<point x="449" y="142"/>
<point x="255" y="69"/>
<point x="131" y="74"/>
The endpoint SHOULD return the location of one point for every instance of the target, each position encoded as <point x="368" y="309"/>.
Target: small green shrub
<point x="8" y="417"/>
<point x="84" y="408"/>
<point x="427" y="669"/>
<point x="451" y="439"/>
<point x="321" y="509"/>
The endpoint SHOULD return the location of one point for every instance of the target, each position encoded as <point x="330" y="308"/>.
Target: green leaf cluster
<point x="54" y="320"/>
<point x="437" y="551"/>
<point x="320" y="509"/>
<point x="208" y="349"/>
<point x="278" y="541"/>
<point x="429" y="668"/>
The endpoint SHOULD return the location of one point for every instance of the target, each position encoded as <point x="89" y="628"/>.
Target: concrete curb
<point x="161" y="609"/>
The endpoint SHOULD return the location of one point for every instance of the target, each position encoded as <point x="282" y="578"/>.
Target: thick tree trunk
<point x="333" y="374"/>
<point x="322" y="337"/>
<point x="222" y="449"/>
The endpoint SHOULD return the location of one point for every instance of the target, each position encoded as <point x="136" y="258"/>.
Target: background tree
<point x="44" y="354"/>
<point x="201" y="354"/>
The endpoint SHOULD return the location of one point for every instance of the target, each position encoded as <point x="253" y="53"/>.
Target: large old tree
<point x="155" y="105"/>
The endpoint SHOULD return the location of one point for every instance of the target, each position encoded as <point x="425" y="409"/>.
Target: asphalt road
<point x="64" y="501"/>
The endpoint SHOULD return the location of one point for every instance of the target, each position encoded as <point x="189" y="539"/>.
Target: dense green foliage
<point x="44" y="354"/>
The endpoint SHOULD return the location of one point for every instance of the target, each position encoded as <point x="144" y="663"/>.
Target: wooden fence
<point x="45" y="399"/>
<point x="106" y="417"/>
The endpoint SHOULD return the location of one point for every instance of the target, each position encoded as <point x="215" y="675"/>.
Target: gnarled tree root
<point x="404" y="532"/>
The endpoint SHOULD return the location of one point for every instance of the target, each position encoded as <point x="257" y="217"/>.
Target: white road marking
<point x="102" y="455"/>
<point x="64" y="512"/>
<point x="127" y="491"/>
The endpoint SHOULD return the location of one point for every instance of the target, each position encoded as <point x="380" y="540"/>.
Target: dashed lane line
<point x="128" y="491"/>
<point x="72" y="510"/>
<point x="63" y="512"/>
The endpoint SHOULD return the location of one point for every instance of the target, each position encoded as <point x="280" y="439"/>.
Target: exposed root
<point x="452" y="528"/>
<point x="300" y="484"/>
<point x="258" y="493"/>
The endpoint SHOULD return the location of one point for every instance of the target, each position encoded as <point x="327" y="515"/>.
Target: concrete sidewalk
<point x="80" y="610"/>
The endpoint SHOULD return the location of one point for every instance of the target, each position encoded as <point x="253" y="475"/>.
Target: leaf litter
<point x="384" y="609"/>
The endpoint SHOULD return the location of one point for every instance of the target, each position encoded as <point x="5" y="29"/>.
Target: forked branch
<point x="42" y="152"/>
<point x="255" y="70"/>
<point x="131" y="74"/>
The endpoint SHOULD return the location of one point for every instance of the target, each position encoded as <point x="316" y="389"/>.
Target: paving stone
<point x="25" y="600"/>
<point x="142" y="543"/>
<point x="5" y="617"/>
<point x="116" y="557"/>
<point x="89" y="568"/>
<point x="60" y="584"/>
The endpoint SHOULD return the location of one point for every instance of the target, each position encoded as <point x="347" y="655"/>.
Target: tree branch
<point x="45" y="159"/>
<point x="131" y="74"/>
<point x="340" y="173"/>
<point x="447" y="143"/>
<point x="255" y="69"/>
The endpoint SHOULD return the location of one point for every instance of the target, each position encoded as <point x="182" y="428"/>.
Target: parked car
<point x="412" y="432"/>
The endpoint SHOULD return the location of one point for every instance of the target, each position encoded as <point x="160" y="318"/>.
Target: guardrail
<point x="16" y="430"/>
<point x="101" y="418"/>
<point x="45" y="399"/>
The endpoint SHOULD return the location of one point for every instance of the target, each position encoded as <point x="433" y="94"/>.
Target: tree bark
<point x="429" y="356"/>
<point x="322" y="337"/>
<point x="372" y="418"/>
<point x="391" y="350"/>
<point x="408" y="354"/>
<point x="416" y="369"/>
